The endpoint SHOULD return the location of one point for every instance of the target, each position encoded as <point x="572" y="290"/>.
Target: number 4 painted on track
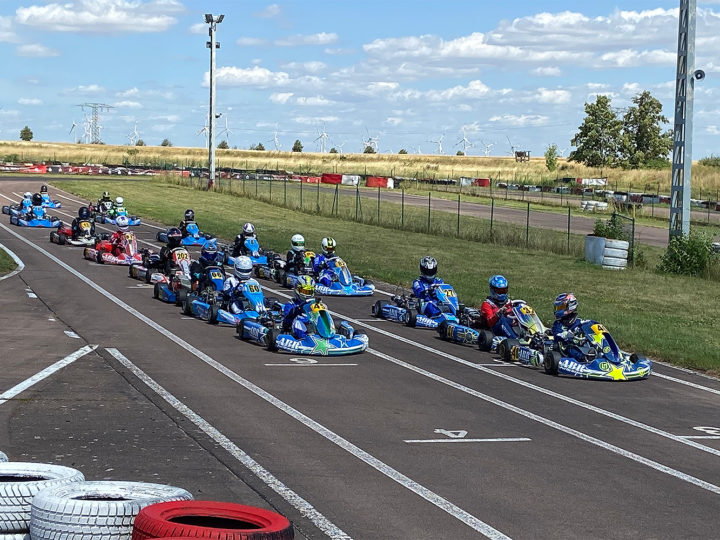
<point x="453" y="434"/>
<point x="709" y="430"/>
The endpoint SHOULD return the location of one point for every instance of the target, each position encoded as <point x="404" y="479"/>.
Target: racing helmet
<point x="428" y="268"/>
<point x="566" y="308"/>
<point x="189" y="215"/>
<point x="174" y="236"/>
<point x="106" y="195"/>
<point x="243" y="268"/>
<point x="84" y="212"/>
<point x="209" y="253"/>
<point x="27" y="195"/>
<point x="305" y="288"/>
<point x="37" y="199"/>
<point x="328" y="246"/>
<point x="123" y="223"/>
<point x="498" y="289"/>
<point x="43" y="189"/>
<point x="119" y="201"/>
<point x="249" y="229"/>
<point x="297" y="242"/>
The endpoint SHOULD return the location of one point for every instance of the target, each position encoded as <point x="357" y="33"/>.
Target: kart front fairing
<point x="342" y="282"/>
<point x="36" y="216"/>
<point x="47" y="202"/>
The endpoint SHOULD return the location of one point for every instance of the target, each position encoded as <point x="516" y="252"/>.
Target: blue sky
<point x="406" y="72"/>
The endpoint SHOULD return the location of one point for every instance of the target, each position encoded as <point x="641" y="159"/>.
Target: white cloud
<point x="9" y="112"/>
<point x="712" y="130"/>
<point x="545" y="95"/>
<point x="30" y="101"/>
<point x="130" y="92"/>
<point x="172" y="118"/>
<point x="471" y="128"/>
<point x="322" y="38"/>
<point x="520" y="120"/>
<point x="314" y="101"/>
<point x="273" y="10"/>
<point x="251" y="42"/>
<point x="305" y="67"/>
<point x="102" y="16"/>
<point x="393" y="120"/>
<point x="280" y="97"/>
<point x="36" y="50"/>
<point x="7" y="33"/>
<point x="198" y="28"/>
<point x="315" y="119"/>
<point x="85" y="89"/>
<point x="254" y="76"/>
<point x="634" y="58"/>
<point x="547" y="71"/>
<point x="128" y="104"/>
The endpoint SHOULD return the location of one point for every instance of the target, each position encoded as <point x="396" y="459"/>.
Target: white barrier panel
<point x="350" y="179"/>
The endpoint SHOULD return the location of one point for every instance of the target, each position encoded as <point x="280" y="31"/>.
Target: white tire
<point x="95" y="510"/>
<point x="614" y="261"/>
<point x="15" y="536"/>
<point x="617" y="244"/>
<point x="613" y="267"/>
<point x="3" y="457"/>
<point x="617" y="253"/>
<point x="20" y="483"/>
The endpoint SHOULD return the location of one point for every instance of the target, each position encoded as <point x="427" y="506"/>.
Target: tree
<point x="402" y="151"/>
<point x="333" y="150"/>
<point x="26" y="134"/>
<point x="166" y="142"/>
<point x="297" y="146"/>
<point x="223" y="145"/>
<point x="258" y="146"/>
<point x="643" y="142"/>
<point x="551" y="157"/>
<point x="598" y="138"/>
<point x="460" y="153"/>
<point x="369" y="150"/>
<point x="140" y="142"/>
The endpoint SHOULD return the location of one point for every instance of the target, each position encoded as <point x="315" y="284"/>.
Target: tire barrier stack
<point x="593" y="206"/>
<point x="615" y="254"/>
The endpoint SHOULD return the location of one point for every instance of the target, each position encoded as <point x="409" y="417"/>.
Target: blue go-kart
<point x="47" y="202"/>
<point x="173" y="287"/>
<point x="409" y="310"/>
<point x="193" y="237"/>
<point x="312" y="333"/>
<point x="111" y="219"/>
<point x="252" y="248"/>
<point x="342" y="282"/>
<point x="275" y="269"/>
<point x="36" y="216"/>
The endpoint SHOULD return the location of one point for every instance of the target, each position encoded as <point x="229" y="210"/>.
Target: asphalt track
<point x="416" y="438"/>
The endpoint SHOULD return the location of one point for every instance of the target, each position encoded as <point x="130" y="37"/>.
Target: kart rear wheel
<point x="269" y="339"/>
<point x="148" y="275"/>
<point x="99" y="258"/>
<point x="410" y="319"/>
<point x="551" y="362"/>
<point x="485" y="339"/>
<point x="505" y="349"/>
<point x="156" y="291"/>
<point x="377" y="309"/>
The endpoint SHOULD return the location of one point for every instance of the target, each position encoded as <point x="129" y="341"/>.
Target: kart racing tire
<point x="240" y="329"/>
<point x="6" y="209"/>
<point x="617" y="244"/>
<point x="617" y="253"/>
<point x="156" y="291"/>
<point x="212" y="314"/>
<point x="410" y="319"/>
<point x="20" y="482"/>
<point x="98" y="257"/>
<point x="614" y="262"/>
<point x="62" y="239"/>
<point x="186" y="309"/>
<point x="16" y="536"/>
<point x="377" y="309"/>
<point x="636" y="357"/>
<point x="551" y="362"/>
<point x="442" y="330"/>
<point x="270" y="301"/>
<point x="211" y="519"/>
<point x="485" y="339"/>
<point x="3" y="457"/>
<point x="95" y="510"/>
<point x="505" y="348"/>
<point x="270" y="338"/>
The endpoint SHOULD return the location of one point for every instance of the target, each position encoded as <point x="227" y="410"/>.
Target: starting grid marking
<point x="501" y="439"/>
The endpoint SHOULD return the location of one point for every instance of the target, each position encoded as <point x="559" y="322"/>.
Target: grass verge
<point x="6" y="263"/>
<point x="647" y="312"/>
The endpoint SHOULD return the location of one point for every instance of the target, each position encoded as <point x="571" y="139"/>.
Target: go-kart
<point x="213" y="307"/>
<point x="47" y="202"/>
<point x="342" y="282"/>
<point x="13" y="209"/>
<point x="252" y="249"/>
<point x="193" y="237"/>
<point x="64" y="235"/>
<point x="312" y="333"/>
<point x="167" y="286"/>
<point x="105" y="212"/>
<point x="104" y="252"/>
<point x="408" y="309"/>
<point x="592" y="355"/>
<point x="35" y="216"/>
<point x="275" y="269"/>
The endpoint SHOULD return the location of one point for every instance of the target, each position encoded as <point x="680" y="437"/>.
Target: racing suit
<point x="46" y="199"/>
<point x="565" y="335"/>
<point x="424" y="292"/>
<point x="166" y="263"/>
<point x="291" y="311"/>
<point x="26" y="205"/>
<point x="232" y="292"/>
<point x="75" y="227"/>
<point x="496" y="321"/>
<point x="319" y="264"/>
<point x="239" y="246"/>
<point x="183" y="227"/>
<point x="116" y="240"/>
<point x="295" y="262"/>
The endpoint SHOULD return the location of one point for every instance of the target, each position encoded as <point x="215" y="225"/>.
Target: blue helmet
<point x="566" y="307"/>
<point x="498" y="288"/>
<point x="209" y="254"/>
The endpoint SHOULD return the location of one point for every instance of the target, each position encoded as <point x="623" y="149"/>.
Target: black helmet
<point x="428" y="268"/>
<point x="43" y="189"/>
<point x="83" y="212"/>
<point x="174" y="236"/>
<point x="37" y="200"/>
<point x="189" y="215"/>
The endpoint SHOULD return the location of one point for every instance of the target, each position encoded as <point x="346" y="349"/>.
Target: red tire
<point x="210" y="519"/>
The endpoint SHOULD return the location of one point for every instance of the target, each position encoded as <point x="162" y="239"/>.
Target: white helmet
<point x="297" y="242"/>
<point x="119" y="201"/>
<point x="122" y="222"/>
<point x="243" y="268"/>
<point x="27" y="195"/>
<point x="328" y="246"/>
<point x="249" y="229"/>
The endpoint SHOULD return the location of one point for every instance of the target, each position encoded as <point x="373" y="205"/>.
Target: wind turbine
<point x="134" y="137"/>
<point x="87" y="130"/>
<point x="439" y="143"/>
<point x="487" y="147"/>
<point x="562" y="151"/>
<point x="226" y="130"/>
<point x="372" y="142"/>
<point x="418" y="150"/>
<point x="340" y="147"/>
<point x="322" y="136"/>
<point x="72" y="129"/>
<point x="465" y="143"/>
<point x="275" y="140"/>
<point x="512" y="148"/>
<point x="204" y="131"/>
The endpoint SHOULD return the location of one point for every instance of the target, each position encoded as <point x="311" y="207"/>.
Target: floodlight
<point x="208" y="18"/>
<point x="220" y="19"/>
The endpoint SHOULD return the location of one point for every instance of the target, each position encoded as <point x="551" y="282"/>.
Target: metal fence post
<point x="527" y="226"/>
<point x="378" y="210"/>
<point x="568" y="245"/>
<point x="458" y="216"/>
<point x="317" y="199"/>
<point x="357" y="201"/>
<point x="492" y="212"/>
<point x="428" y="221"/>
<point x="271" y="189"/>
<point x="285" y="192"/>
<point x="301" y="196"/>
<point x="256" y="186"/>
<point x="335" y="200"/>
<point x="243" y="185"/>
<point x="402" y="208"/>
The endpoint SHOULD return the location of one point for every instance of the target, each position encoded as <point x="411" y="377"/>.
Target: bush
<point x="690" y="255"/>
<point x="711" y="161"/>
<point x="610" y="228"/>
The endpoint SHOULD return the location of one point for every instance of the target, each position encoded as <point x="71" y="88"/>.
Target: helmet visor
<point x="500" y="290"/>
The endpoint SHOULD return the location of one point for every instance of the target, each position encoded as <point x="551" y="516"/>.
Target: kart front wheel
<point x="442" y="330"/>
<point x="505" y="349"/>
<point x="410" y="319"/>
<point x="213" y="314"/>
<point x="377" y="309"/>
<point x="637" y="357"/>
<point x="99" y="258"/>
<point x="269" y="340"/>
<point x="551" y="362"/>
<point x="186" y="309"/>
<point x="485" y="339"/>
<point x="156" y="291"/>
<point x="61" y="239"/>
<point x="240" y="329"/>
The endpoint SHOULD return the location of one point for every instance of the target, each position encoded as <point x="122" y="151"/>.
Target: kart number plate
<point x="85" y="225"/>
<point x="182" y="256"/>
<point x="254" y="288"/>
<point x="215" y="275"/>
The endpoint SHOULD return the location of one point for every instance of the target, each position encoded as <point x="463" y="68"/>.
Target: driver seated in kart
<point x="248" y="231"/>
<point x="104" y="198"/>
<point x="36" y="209"/>
<point x="44" y="193"/>
<point x="83" y="215"/>
<point x="209" y="256"/>
<point x="295" y="259"/>
<point x="188" y="218"/>
<point x="232" y="289"/>
<point x="118" y="237"/>
<point x="165" y="262"/>
<point x="26" y="202"/>
<point x="321" y="261"/>
<point x="117" y="207"/>
<point x="494" y="310"/>
<point x="304" y="292"/>
<point x="424" y="287"/>
<point x="566" y="329"/>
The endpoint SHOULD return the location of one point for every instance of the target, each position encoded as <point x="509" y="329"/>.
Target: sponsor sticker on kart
<point x="573" y="367"/>
<point x="288" y="343"/>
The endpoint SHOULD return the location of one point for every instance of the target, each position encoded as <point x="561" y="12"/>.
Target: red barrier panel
<point x="376" y="181"/>
<point x="34" y="169"/>
<point x="311" y="179"/>
<point x="328" y="178"/>
<point x="481" y="182"/>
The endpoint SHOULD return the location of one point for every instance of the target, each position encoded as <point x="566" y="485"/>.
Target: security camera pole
<point x="212" y="45"/>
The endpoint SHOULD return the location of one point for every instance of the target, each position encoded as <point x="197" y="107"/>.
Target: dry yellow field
<point x="705" y="182"/>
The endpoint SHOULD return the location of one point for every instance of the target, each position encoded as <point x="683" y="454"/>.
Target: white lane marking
<point x="30" y="293"/>
<point x="383" y="292"/>
<point x="555" y="425"/>
<point x="435" y="499"/>
<point x="714" y="437"/>
<point x="687" y="383"/>
<point x="531" y="386"/>
<point x="311" y="365"/>
<point x="502" y="439"/>
<point x="71" y="199"/>
<point x="686" y="370"/>
<point x="8" y="198"/>
<point x="20" y="264"/>
<point x="45" y="373"/>
<point x="71" y="334"/>
<point x="303" y="506"/>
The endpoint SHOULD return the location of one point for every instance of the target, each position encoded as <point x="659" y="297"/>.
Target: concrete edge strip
<point x="45" y="373"/>
<point x="14" y="257"/>
<point x="346" y="445"/>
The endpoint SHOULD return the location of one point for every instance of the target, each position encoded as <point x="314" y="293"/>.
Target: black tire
<point x="156" y="291"/>
<point x="636" y="357"/>
<point x="3" y="457"/>
<point x="98" y="258"/>
<point x="62" y="239"/>
<point x="377" y="307"/>
<point x="182" y="293"/>
<point x="240" y="329"/>
<point x="485" y="339"/>
<point x="410" y="318"/>
<point x="442" y="330"/>
<point x="505" y="349"/>
<point x="270" y="301"/>
<point x="148" y="275"/>
<point x="213" y="314"/>
<point x="551" y="362"/>
<point x="186" y="309"/>
<point x="270" y="338"/>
